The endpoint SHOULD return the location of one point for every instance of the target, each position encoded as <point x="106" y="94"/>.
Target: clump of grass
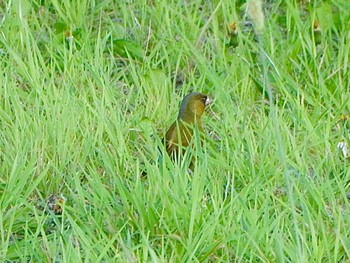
<point x="88" y="90"/>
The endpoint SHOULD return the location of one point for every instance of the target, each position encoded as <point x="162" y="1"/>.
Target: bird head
<point x="193" y="106"/>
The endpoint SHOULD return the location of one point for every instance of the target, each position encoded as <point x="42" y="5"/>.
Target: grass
<point x="88" y="91"/>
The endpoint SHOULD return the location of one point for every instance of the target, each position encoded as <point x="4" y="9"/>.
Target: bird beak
<point x="208" y="101"/>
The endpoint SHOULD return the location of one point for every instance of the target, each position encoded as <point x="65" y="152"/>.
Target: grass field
<point x="89" y="88"/>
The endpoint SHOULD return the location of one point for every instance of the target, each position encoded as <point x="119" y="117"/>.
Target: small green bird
<point x="181" y="131"/>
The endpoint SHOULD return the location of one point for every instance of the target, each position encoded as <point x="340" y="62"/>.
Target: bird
<point x="180" y="133"/>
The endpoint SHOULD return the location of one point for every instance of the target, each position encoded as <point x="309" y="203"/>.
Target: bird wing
<point x="171" y="138"/>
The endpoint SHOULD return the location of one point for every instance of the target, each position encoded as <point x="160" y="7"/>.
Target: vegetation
<point x="88" y="89"/>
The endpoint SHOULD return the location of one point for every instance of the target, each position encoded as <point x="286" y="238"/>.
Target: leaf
<point x="325" y="16"/>
<point x="126" y="48"/>
<point x="60" y="27"/>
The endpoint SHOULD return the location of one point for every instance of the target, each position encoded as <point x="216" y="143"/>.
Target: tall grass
<point x="89" y="89"/>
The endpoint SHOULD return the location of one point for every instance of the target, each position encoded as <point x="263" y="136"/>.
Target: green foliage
<point x="89" y="89"/>
<point x="125" y="48"/>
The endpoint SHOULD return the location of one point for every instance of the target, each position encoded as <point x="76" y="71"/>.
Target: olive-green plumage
<point x="181" y="131"/>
